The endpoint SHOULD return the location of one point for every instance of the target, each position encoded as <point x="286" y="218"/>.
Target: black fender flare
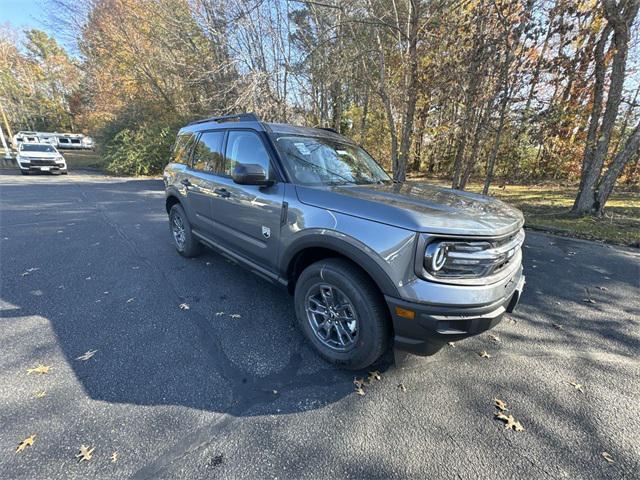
<point x="343" y="247"/>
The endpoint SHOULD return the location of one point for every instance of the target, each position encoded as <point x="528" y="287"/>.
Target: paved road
<point x="88" y="264"/>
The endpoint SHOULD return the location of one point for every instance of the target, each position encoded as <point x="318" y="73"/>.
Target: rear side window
<point x="181" y="151"/>
<point x="244" y="146"/>
<point x="207" y="154"/>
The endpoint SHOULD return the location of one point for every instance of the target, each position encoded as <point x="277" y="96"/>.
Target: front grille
<point x="43" y="163"/>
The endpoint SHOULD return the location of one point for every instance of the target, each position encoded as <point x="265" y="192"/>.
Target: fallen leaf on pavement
<point x="510" y="422"/>
<point x="375" y="375"/>
<point x="184" y="306"/>
<point x="588" y="300"/>
<point x="604" y="289"/>
<point x="40" y="394"/>
<point x="41" y="369"/>
<point x="235" y="315"/>
<point x="86" y="453"/>
<point x="494" y="338"/>
<point x="452" y="344"/>
<point x="29" y="270"/>
<point x="500" y="404"/>
<point x="359" y="382"/>
<point x="27" y="442"/>
<point x="219" y="314"/>
<point x="608" y="457"/>
<point x="577" y="386"/>
<point x="114" y="457"/>
<point x="87" y="355"/>
<point x="557" y="326"/>
<point x="360" y="391"/>
<point x="402" y="387"/>
<point x="130" y="300"/>
<point x="484" y="354"/>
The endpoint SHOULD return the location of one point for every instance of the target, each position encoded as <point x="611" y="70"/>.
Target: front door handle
<point x="223" y="192"/>
<point x="185" y="182"/>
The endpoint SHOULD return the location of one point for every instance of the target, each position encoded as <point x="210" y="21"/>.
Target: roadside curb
<point x="558" y="232"/>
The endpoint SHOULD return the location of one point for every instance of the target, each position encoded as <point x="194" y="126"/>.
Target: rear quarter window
<point x="182" y="148"/>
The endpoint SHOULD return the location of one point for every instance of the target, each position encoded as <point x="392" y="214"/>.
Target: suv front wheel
<point x="342" y="313"/>
<point x="183" y="238"/>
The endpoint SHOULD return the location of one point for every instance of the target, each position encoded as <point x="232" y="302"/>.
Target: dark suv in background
<point x="368" y="260"/>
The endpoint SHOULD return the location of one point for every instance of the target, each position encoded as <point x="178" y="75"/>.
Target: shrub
<point x="144" y="150"/>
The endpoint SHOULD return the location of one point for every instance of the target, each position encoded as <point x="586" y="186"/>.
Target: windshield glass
<point x="322" y="161"/>
<point x="37" y="148"/>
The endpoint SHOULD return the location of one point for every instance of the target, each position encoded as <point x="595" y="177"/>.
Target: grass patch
<point x="547" y="207"/>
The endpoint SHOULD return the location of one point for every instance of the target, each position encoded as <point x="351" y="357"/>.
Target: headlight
<point x="435" y="256"/>
<point x="60" y="159"/>
<point x="455" y="260"/>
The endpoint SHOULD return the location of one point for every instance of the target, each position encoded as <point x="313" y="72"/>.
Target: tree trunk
<point x="624" y="156"/>
<point x="620" y="17"/>
<point x="365" y="113"/>
<point x="386" y="102"/>
<point x="411" y="91"/>
<point x="473" y="81"/>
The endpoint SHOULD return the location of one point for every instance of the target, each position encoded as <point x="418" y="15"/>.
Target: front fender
<point x="385" y="252"/>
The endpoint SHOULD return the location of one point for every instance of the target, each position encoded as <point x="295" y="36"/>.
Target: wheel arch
<point x="171" y="200"/>
<point x="312" y="248"/>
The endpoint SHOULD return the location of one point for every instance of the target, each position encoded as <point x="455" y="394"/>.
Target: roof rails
<point x="238" y="117"/>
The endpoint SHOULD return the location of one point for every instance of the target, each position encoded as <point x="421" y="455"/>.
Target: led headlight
<point x="435" y="256"/>
<point x="460" y="258"/>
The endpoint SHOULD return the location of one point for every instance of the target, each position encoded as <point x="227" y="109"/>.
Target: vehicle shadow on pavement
<point x="111" y="281"/>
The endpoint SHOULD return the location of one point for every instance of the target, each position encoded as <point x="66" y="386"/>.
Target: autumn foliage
<point x="494" y="90"/>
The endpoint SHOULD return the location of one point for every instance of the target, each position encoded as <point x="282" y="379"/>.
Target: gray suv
<point x="368" y="260"/>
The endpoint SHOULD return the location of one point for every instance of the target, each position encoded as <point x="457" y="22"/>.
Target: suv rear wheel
<point x="183" y="238"/>
<point x="342" y="313"/>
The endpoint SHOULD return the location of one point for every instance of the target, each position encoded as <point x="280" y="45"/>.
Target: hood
<point x="419" y="207"/>
<point x="43" y="155"/>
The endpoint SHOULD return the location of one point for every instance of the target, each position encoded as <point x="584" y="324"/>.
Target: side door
<point x="247" y="217"/>
<point x="206" y="164"/>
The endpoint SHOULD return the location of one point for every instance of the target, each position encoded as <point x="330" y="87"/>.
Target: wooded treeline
<point x="493" y="90"/>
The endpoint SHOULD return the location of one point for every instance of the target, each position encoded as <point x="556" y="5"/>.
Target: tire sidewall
<point x="191" y="246"/>
<point x="367" y="336"/>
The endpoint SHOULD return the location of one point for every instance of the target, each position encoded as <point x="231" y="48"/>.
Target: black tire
<point x="24" y="172"/>
<point x="373" y="327"/>
<point x="191" y="247"/>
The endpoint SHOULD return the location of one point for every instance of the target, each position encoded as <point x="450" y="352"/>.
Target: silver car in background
<point x="40" y="157"/>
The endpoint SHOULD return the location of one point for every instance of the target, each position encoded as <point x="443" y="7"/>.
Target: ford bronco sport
<point x="367" y="259"/>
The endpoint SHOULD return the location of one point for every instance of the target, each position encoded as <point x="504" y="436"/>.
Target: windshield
<point x="37" y="148"/>
<point x="322" y="161"/>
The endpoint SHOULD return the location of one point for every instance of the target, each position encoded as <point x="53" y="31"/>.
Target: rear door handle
<point x="223" y="192"/>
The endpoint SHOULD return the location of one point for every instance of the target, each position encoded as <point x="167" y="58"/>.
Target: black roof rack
<point x="237" y="117"/>
<point x="329" y="129"/>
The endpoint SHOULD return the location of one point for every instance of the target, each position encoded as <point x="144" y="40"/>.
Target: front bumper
<point x="57" y="168"/>
<point x="432" y="326"/>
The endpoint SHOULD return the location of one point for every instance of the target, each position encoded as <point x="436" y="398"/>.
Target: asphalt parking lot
<point x="228" y="388"/>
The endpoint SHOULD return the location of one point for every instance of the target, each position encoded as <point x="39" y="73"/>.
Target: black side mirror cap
<point x="250" y="174"/>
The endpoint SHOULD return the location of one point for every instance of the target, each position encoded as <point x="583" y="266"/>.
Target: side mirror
<point x="250" y="174"/>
